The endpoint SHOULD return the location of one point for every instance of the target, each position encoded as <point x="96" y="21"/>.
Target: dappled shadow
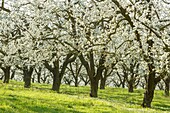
<point x="122" y="97"/>
<point x="114" y="95"/>
<point x="75" y="91"/>
<point x="162" y="107"/>
<point x="43" y="109"/>
<point x="27" y="104"/>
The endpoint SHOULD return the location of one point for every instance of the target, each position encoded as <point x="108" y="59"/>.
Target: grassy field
<point x="40" y="99"/>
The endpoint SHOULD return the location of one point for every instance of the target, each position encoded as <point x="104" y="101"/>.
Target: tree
<point x="133" y="18"/>
<point x="75" y="71"/>
<point x="131" y="74"/>
<point x="98" y="32"/>
<point x="8" y="34"/>
<point x="106" y="73"/>
<point x="57" y="73"/>
<point x="38" y="72"/>
<point x="27" y="71"/>
<point x="167" y="85"/>
<point x="84" y="78"/>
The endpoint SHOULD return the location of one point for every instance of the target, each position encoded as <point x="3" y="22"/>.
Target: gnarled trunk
<point x="27" y="80"/>
<point x="94" y="88"/>
<point x="57" y="74"/>
<point x="38" y="74"/>
<point x="102" y="82"/>
<point x="76" y="82"/>
<point x="123" y="83"/>
<point x="56" y="81"/>
<point x="130" y="87"/>
<point x="56" y="85"/>
<point x="6" y="71"/>
<point x="93" y="75"/>
<point x="167" y="83"/>
<point x="27" y="76"/>
<point x="13" y="74"/>
<point x="150" y="87"/>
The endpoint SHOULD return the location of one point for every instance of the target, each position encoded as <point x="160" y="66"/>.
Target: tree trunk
<point x="38" y="71"/>
<point x="90" y="68"/>
<point x="167" y="83"/>
<point x="123" y="83"/>
<point x="13" y="74"/>
<point x="130" y="87"/>
<point x="76" y="82"/>
<point x="149" y="93"/>
<point x="6" y="71"/>
<point x="2" y="77"/>
<point x="94" y="88"/>
<point x="27" y="76"/>
<point x="56" y="86"/>
<point x="57" y="74"/>
<point x="86" y="82"/>
<point x="39" y="77"/>
<point x="33" y="79"/>
<point x="27" y="80"/>
<point x="102" y="82"/>
<point x="56" y="82"/>
<point x="148" y="96"/>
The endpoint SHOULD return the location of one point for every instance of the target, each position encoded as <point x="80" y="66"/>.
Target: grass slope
<point x="40" y="99"/>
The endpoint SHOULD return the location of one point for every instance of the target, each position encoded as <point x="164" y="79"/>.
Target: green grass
<point x="40" y="99"/>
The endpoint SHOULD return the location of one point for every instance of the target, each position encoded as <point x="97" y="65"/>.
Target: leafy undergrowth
<point x="40" y="99"/>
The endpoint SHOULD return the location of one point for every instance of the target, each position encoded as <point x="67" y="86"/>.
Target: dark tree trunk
<point x="33" y="79"/>
<point x="56" y="85"/>
<point x="86" y="82"/>
<point x="151" y="81"/>
<point x="75" y="73"/>
<point x="2" y="77"/>
<point x="131" y="83"/>
<point x="130" y="86"/>
<point x="57" y="74"/>
<point x="90" y="68"/>
<point x="27" y="76"/>
<point x="44" y="78"/>
<point x="56" y="81"/>
<point x="13" y="74"/>
<point x="6" y="71"/>
<point x="38" y="71"/>
<point x="27" y="80"/>
<point x="150" y="87"/>
<point x="94" y="88"/>
<point x="94" y="81"/>
<point x="167" y="83"/>
<point x="123" y="83"/>
<point x="76" y="82"/>
<point x="103" y="82"/>
<point x="104" y="78"/>
<point x="39" y="78"/>
<point x="148" y="96"/>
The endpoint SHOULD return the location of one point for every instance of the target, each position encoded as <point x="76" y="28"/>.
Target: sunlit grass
<point x="40" y="99"/>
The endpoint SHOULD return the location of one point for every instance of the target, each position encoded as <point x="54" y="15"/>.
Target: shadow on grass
<point x="110" y="94"/>
<point x="162" y="107"/>
<point x="26" y="104"/>
<point x="75" y="90"/>
<point x="43" y="109"/>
